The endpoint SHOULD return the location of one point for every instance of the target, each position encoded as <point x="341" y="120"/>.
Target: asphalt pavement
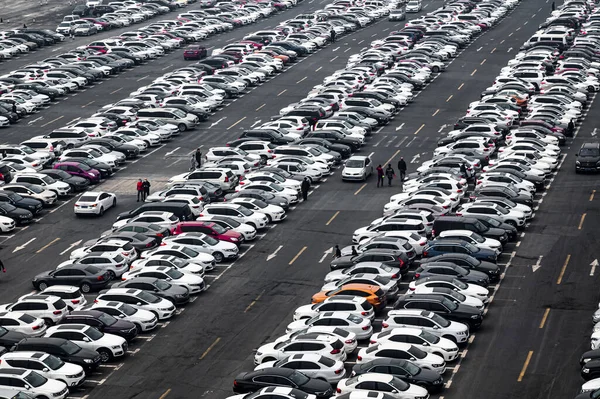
<point x="536" y="327"/>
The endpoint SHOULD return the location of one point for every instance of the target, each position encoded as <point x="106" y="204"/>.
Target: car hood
<point x="11" y="338"/>
<point x="342" y="261"/>
<point x="120" y="325"/>
<point x="42" y="275"/>
<point x="466" y="310"/>
<point x="314" y="386"/>
<point x="29" y="202"/>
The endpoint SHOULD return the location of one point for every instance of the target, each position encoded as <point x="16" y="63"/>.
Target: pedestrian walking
<point x="140" y="190"/>
<point x="463" y="170"/>
<point x="304" y="188"/>
<point x="14" y="108"/>
<point x="379" y="176"/>
<point x="3" y="154"/>
<point x="332" y="34"/>
<point x="198" y="156"/>
<point x="336" y="252"/>
<point x="2" y="266"/>
<point x="72" y="34"/>
<point x="193" y="162"/>
<point x="146" y="189"/>
<point x="553" y="6"/>
<point x="570" y="128"/>
<point x="354" y="253"/>
<point x="389" y="172"/>
<point x="24" y="26"/>
<point x="402" y="168"/>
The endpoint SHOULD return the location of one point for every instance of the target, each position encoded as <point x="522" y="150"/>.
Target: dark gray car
<point x="175" y="293"/>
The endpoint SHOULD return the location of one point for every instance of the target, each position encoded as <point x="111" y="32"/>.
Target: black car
<point x="468" y="262"/>
<point x="443" y="306"/>
<point x="255" y="380"/>
<point x="175" y="293"/>
<point x="270" y="135"/>
<point x="335" y="137"/>
<point x="31" y="204"/>
<point x="129" y="150"/>
<point x="104" y="169"/>
<point x="190" y="110"/>
<point x="386" y="256"/>
<point x="450" y="269"/>
<point x="344" y="150"/>
<point x="140" y="242"/>
<point x="20" y="216"/>
<point x="103" y="322"/>
<point x="64" y="349"/>
<point x="312" y="113"/>
<point x="48" y="91"/>
<point x="380" y="117"/>
<point x="591" y="370"/>
<point x="403" y="369"/>
<point x="491" y="223"/>
<point x="9" y="339"/>
<point x="120" y="120"/>
<point x="86" y="277"/>
<point x="588" y="158"/>
<point x="588" y="356"/>
<point x="267" y="197"/>
<point x="147" y="229"/>
<point x="77" y="183"/>
<point x="301" y="51"/>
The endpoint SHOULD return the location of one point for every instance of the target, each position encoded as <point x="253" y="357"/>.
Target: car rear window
<point x="366" y="306"/>
<point x="379" y="292"/>
<point x="25" y="318"/>
<point x="327" y="361"/>
<point x="340" y="332"/>
<point x="60" y="304"/>
<point x="372" y="349"/>
<point x="128" y="247"/>
<point x="337" y="344"/>
<point x="68" y="295"/>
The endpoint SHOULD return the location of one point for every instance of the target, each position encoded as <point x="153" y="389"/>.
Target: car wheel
<point x="112" y="275"/>
<point x="181" y="127"/>
<point x="450" y="337"/>
<point x="48" y="321"/>
<point x="101" y="211"/>
<point x="252" y="224"/>
<point x="105" y="355"/>
<point x="435" y="69"/>
<point x="591" y="89"/>
<point x="85" y="288"/>
<point x="512" y="223"/>
<point x="269" y="219"/>
<point x="218" y="257"/>
<point x="138" y="328"/>
<point x="42" y="285"/>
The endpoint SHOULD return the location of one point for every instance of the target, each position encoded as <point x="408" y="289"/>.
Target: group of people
<point x="143" y="190"/>
<point x="390" y="173"/>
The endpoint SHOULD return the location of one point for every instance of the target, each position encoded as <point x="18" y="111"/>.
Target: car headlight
<point x="577" y="163"/>
<point x="587" y="359"/>
<point x="475" y="316"/>
<point x="88" y="361"/>
<point x="258" y="353"/>
<point x="115" y="347"/>
<point x="164" y="309"/>
<point x="585" y="370"/>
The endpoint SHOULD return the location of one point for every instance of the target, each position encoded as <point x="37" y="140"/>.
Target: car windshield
<point x="93" y="334"/>
<point x="211" y="241"/>
<point x="107" y="319"/>
<point x="431" y="338"/>
<point x="245" y="211"/>
<point x="36" y="189"/>
<point x="298" y="378"/>
<point x="416" y="352"/>
<point x="70" y="348"/>
<point x="439" y="320"/>
<point x="480" y="226"/>
<point x="411" y="368"/>
<point x="174" y="274"/>
<point x="53" y="362"/>
<point x="35" y="380"/>
<point x="477" y="238"/>
<point x="218" y="229"/>
<point x="355" y="163"/>
<point x="127" y="310"/>
<point x="148" y="297"/>
<point x="189" y="252"/>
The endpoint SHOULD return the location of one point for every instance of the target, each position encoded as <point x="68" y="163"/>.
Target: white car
<point x="237" y="212"/>
<point x="205" y="260"/>
<point x="249" y="232"/>
<point x="472" y="238"/>
<point x="194" y="283"/>
<point x="7" y="224"/>
<point x="72" y="295"/>
<point x="90" y="153"/>
<point x="22" y="323"/>
<point x="163" y="219"/>
<point x="289" y="194"/>
<point x="348" y="338"/>
<point x="200" y="242"/>
<point x="428" y="321"/>
<point x="396" y="350"/>
<point x="278" y="392"/>
<point x="357" y="167"/>
<point x="14" y="381"/>
<point x="341" y="303"/>
<point x="121" y="247"/>
<point x="274" y="213"/>
<point x="108" y="346"/>
<point x="392" y="386"/>
<point x="511" y="216"/>
<point x="313" y="366"/>
<point x="426" y="341"/>
<point x="277" y="351"/>
<point x="49" y="308"/>
<point x="94" y="202"/>
<point x="32" y="191"/>
<point x="144" y="320"/>
<point x="46" y="365"/>
<point x="169" y="260"/>
<point x="196" y="206"/>
<point x="361" y="326"/>
<point x="162" y="308"/>
<point x="452" y="295"/>
<point x="371" y="268"/>
<point x="473" y="290"/>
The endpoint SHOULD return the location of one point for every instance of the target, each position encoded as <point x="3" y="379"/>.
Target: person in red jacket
<point x="140" y="190"/>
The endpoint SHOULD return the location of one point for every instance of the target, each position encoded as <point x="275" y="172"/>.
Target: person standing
<point x="570" y="128"/>
<point x="14" y="108"/>
<point x="198" y="155"/>
<point x="553" y="6"/>
<point x="146" y="187"/>
<point x="140" y="190"/>
<point x="402" y="168"/>
<point x="304" y="188"/>
<point x="389" y="172"/>
<point x="2" y="267"/>
<point x="337" y="252"/>
<point x="379" y="176"/>
<point x="332" y="34"/>
<point x="354" y="253"/>
<point x="193" y="162"/>
<point x="463" y="170"/>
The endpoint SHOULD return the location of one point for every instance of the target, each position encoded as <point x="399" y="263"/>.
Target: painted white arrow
<point x="594" y="131"/>
<point x="256" y="123"/>
<point x="70" y="247"/>
<point x="400" y="127"/>
<point x="274" y="254"/>
<point x="217" y="122"/>
<point x="335" y="49"/>
<point x="594" y="264"/>
<point x="537" y="264"/>
<point x="442" y="128"/>
<point x="20" y="247"/>
<point x="415" y="158"/>
<point x="325" y="254"/>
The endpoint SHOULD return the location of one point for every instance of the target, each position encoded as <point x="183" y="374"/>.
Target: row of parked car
<point x="447" y="298"/>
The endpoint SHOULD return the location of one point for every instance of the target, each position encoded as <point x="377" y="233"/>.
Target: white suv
<point x="47" y="365"/>
<point x="39" y="386"/>
<point x="22" y="323"/>
<point x="50" y="308"/>
<point x="257" y="220"/>
<point x="162" y="308"/>
<point x="340" y="303"/>
<point x="70" y="294"/>
<point x="144" y="320"/>
<point x="112" y="245"/>
<point x="60" y="188"/>
<point x="108" y="346"/>
<point x="428" y="321"/>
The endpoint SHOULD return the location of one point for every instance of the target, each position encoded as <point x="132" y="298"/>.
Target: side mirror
<point x="436" y="328"/>
<point x="45" y="369"/>
<point x="139" y="304"/>
<point x="86" y="339"/>
<point x="425" y="344"/>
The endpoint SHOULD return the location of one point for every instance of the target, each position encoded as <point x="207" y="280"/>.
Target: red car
<point x="194" y="53"/>
<point x="210" y="229"/>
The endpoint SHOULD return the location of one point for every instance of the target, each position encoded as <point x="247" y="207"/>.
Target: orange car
<point x="273" y="54"/>
<point x="374" y="295"/>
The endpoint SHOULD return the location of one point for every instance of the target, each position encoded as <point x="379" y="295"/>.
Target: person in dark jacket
<point x="402" y="168"/>
<point x="354" y="253"/>
<point x="140" y="190"/>
<point x="379" y="176"/>
<point x="304" y="188"/>
<point x="390" y="174"/>
<point x="337" y="252"/>
<point x="198" y="155"/>
<point x="2" y="267"/>
<point x="463" y="170"/>
<point x="553" y="6"/>
<point x="146" y="187"/>
<point x="570" y="128"/>
<point x="332" y="34"/>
